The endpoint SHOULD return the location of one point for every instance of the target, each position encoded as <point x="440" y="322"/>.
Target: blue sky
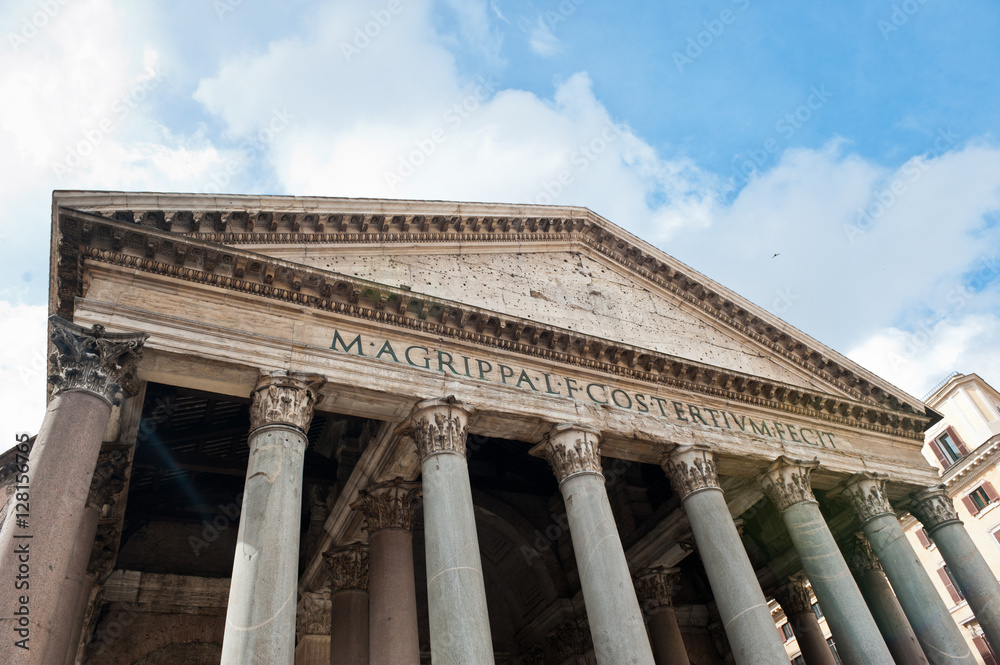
<point x="855" y="141"/>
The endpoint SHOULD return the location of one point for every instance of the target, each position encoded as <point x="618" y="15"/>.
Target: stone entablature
<point x="114" y="242"/>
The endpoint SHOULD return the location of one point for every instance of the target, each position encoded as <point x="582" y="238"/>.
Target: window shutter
<point x="922" y="537"/>
<point x="990" y="492"/>
<point x="958" y="442"/>
<point x="970" y="505"/>
<point x="984" y="650"/>
<point x="952" y="591"/>
<point x="942" y="459"/>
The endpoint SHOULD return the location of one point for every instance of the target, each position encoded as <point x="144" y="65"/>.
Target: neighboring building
<point x="787" y="633"/>
<point x="965" y="446"/>
<point x="311" y="430"/>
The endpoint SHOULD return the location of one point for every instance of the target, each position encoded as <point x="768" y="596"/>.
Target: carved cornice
<point x="94" y="360"/>
<point x="284" y="398"/>
<point x="348" y="567"/>
<point x="794" y="596"/>
<point x="691" y="468"/>
<point x="439" y="426"/>
<point x="654" y="587"/>
<point x="934" y="508"/>
<point x="786" y="482"/>
<point x="388" y="505"/>
<point x="571" y="450"/>
<point x="860" y="556"/>
<point x="314" y="614"/>
<point x="866" y="493"/>
<point x="136" y="241"/>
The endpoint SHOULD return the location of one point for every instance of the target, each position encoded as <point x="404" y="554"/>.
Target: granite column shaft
<point x="349" y="578"/>
<point x="92" y="371"/>
<point x="973" y="575"/>
<point x="260" y="617"/>
<point x="654" y="587"/>
<point x="786" y="483"/>
<point x="742" y="607"/>
<point x="456" y="590"/>
<point x="795" y="599"/>
<point x="939" y="635"/>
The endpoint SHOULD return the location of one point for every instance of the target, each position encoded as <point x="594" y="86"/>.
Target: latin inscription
<point x="436" y="360"/>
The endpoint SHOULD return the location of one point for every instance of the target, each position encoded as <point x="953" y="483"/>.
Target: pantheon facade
<point x="314" y="430"/>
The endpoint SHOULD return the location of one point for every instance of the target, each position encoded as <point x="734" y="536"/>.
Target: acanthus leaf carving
<point x="691" y="468"/>
<point x="866" y="492"/>
<point x="388" y="505"/>
<point x="786" y="482"/>
<point x="348" y="567"/>
<point x="654" y="587"/>
<point x="934" y="508"/>
<point x="284" y="398"/>
<point x="439" y="426"/>
<point x="571" y="450"/>
<point x="94" y="360"/>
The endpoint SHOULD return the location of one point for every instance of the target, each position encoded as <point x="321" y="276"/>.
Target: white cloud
<point x="917" y="360"/>
<point x="23" y="338"/>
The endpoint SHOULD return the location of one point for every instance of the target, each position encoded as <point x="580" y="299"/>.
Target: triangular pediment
<point x="536" y="275"/>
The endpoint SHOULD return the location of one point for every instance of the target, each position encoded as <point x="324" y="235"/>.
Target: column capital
<point x="284" y="398"/>
<point x="439" y="426"/>
<point x="859" y="555"/>
<point x="933" y="507"/>
<point x="794" y="596"/>
<point x="655" y="587"/>
<point x="786" y="482"/>
<point x="691" y="468"/>
<point x="866" y="493"/>
<point x="312" y="616"/>
<point x="388" y="505"/>
<point x="571" y="450"/>
<point x="570" y="639"/>
<point x="347" y="566"/>
<point x="93" y="360"/>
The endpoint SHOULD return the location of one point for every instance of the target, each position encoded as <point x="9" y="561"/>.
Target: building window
<point x="949" y="583"/>
<point x="948" y="448"/>
<point x="977" y="500"/>
<point x="786" y="631"/>
<point x="817" y="611"/>
<point x="924" y="538"/>
<point x="833" y="649"/>
<point x="799" y="660"/>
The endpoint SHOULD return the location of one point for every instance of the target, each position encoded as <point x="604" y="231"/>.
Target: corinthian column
<point x="742" y="606"/>
<point x="348" y="567"/>
<point x="786" y="483"/>
<point x="392" y="624"/>
<point x="260" y="618"/>
<point x="655" y="589"/>
<point x="616" y="624"/>
<point x="456" y="592"/>
<point x="937" y="632"/>
<point x="882" y="602"/>
<point x="796" y="601"/>
<point x="934" y="508"/>
<point x="92" y="370"/>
